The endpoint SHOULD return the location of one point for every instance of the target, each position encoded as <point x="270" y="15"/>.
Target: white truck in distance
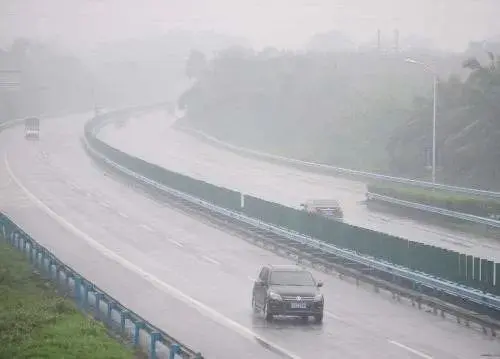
<point x="32" y="128"/>
<point x="329" y="208"/>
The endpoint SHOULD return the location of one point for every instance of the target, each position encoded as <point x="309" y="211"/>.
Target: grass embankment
<point x="442" y="199"/>
<point x="37" y="322"/>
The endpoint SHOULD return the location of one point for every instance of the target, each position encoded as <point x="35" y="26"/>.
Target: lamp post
<point x="435" y="81"/>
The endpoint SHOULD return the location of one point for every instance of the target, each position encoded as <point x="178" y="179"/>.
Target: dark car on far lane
<point x="287" y="290"/>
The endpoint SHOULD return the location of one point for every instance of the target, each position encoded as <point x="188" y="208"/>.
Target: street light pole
<point x="434" y="131"/>
<point x="434" y="107"/>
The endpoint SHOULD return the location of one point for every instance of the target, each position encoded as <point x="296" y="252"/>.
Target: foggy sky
<point x="281" y="23"/>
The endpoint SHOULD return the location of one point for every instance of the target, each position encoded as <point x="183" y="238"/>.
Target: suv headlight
<point x="318" y="297"/>
<point x="274" y="296"/>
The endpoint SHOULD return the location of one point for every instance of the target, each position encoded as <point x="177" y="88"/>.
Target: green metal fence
<point x="471" y="271"/>
<point x="457" y="267"/>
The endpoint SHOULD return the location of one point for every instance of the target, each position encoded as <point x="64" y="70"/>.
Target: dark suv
<point x="287" y="290"/>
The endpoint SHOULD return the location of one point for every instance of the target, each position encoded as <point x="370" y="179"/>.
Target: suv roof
<point x="323" y="202"/>
<point x="285" y="267"/>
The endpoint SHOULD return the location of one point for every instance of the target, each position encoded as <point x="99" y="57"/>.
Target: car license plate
<point x="298" y="305"/>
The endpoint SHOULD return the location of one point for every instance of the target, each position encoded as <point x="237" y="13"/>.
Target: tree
<point x="196" y="64"/>
<point x="468" y="130"/>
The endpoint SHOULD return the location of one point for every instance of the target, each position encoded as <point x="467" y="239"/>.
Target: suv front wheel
<point x="268" y="316"/>
<point x="318" y="318"/>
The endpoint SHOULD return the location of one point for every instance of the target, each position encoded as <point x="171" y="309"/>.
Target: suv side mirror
<point x="319" y="284"/>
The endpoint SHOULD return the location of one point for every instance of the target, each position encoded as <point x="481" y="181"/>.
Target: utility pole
<point x="434" y="104"/>
<point x="396" y="40"/>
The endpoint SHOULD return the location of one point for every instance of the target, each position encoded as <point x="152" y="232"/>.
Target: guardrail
<point x="10" y="123"/>
<point x="93" y="300"/>
<point x="345" y="171"/>
<point x="431" y="209"/>
<point x="476" y="296"/>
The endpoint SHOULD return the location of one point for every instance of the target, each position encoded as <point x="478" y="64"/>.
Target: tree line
<point x="369" y="111"/>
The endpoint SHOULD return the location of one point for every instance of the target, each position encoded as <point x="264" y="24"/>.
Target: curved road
<point x="189" y="277"/>
<point x="152" y="138"/>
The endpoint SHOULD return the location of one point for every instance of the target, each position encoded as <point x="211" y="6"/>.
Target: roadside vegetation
<point x="38" y="322"/>
<point x="477" y="206"/>
<point x="370" y="111"/>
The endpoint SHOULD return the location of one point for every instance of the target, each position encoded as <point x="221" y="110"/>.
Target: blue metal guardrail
<point x="91" y="299"/>
<point x="10" y="123"/>
<point x="444" y="212"/>
<point x="418" y="278"/>
<point x="340" y="170"/>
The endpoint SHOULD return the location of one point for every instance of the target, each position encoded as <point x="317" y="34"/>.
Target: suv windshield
<point x="299" y="278"/>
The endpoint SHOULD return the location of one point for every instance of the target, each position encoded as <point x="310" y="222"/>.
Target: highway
<point x="188" y="276"/>
<point x="152" y="138"/>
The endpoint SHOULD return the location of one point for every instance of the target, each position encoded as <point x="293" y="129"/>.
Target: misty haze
<point x="250" y="179"/>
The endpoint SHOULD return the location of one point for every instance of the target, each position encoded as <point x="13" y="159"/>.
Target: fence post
<point x="42" y="261"/>
<point x="77" y="281"/>
<point x="41" y="258"/>
<point x="49" y="267"/>
<point x="18" y="241"/>
<point x="66" y="275"/>
<point x="109" y="317"/>
<point x="48" y="259"/>
<point x="123" y="317"/>
<point x="58" y="275"/>
<point x="85" y="299"/>
<point x="37" y="256"/>
<point x="98" y="297"/>
<point x="30" y="252"/>
<point x="154" y="337"/>
<point x="137" y="330"/>
<point x="174" y="349"/>
<point x="52" y="265"/>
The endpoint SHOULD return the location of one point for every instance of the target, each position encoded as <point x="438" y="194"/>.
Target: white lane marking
<point x="105" y="204"/>
<point x="146" y="227"/>
<point x="411" y="350"/>
<point x="155" y="281"/>
<point x="75" y="186"/>
<point x="211" y="260"/>
<point x="178" y="244"/>
<point x="121" y="214"/>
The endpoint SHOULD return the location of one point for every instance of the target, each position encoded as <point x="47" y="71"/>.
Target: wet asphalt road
<point x="189" y="277"/>
<point x="152" y="138"/>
